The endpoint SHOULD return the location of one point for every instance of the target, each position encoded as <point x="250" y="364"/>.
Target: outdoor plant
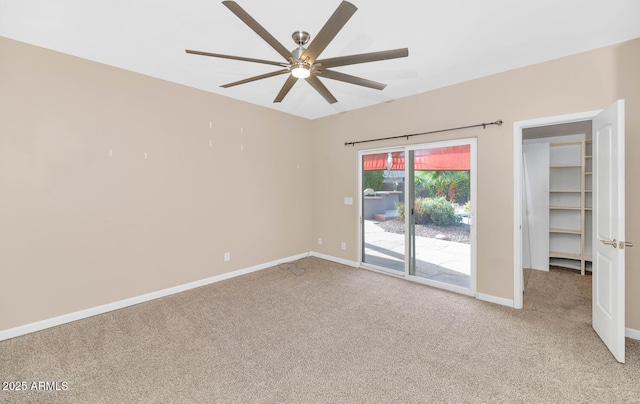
<point x="453" y="190"/>
<point x="418" y="211"/>
<point x="461" y="185"/>
<point x="438" y="211"/>
<point x="400" y="210"/>
<point x="449" y="184"/>
<point x="467" y="207"/>
<point x="372" y="179"/>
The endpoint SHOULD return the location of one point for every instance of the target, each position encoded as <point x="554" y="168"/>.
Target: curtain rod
<point x="484" y="126"/>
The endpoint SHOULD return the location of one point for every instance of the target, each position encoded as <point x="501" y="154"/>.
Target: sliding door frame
<point x="361" y="240"/>
<point x="408" y="201"/>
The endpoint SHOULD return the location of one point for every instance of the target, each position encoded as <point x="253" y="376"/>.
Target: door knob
<point x="624" y="244"/>
<point x="612" y="243"/>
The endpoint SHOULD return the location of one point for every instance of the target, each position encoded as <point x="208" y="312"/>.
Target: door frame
<point x="518" y="127"/>
<point x="472" y="142"/>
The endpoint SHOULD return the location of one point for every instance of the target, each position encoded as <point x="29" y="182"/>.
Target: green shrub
<point x="400" y="210"/>
<point x="467" y="207"/>
<point x="440" y="211"/>
<point x="419" y="215"/>
<point x="373" y="180"/>
<point x="419" y="212"/>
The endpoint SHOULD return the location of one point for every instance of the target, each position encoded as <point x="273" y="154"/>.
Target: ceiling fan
<point x="303" y="63"/>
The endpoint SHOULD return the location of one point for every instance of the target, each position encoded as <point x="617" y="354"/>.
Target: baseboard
<point x="631" y="333"/>
<point x="494" y="299"/>
<point x="334" y="259"/>
<point x="78" y="315"/>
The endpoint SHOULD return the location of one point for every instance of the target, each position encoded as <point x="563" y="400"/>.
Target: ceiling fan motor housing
<point x="298" y="52"/>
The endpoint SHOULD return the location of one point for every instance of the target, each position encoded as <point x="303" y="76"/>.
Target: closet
<point x="557" y="197"/>
<point x="570" y="204"/>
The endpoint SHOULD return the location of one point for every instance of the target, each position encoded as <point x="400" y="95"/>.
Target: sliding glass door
<point x="440" y="227"/>
<point x="383" y="193"/>
<point x="417" y="213"/>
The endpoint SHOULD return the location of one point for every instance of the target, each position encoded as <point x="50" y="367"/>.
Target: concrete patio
<point x="439" y="260"/>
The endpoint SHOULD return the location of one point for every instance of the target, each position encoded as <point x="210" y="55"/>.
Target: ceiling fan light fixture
<point x="301" y="70"/>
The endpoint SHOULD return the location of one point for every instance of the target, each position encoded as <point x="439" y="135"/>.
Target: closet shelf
<point x="565" y="207"/>
<point x="565" y="231"/>
<point x="564" y="190"/>
<point x="557" y="254"/>
<point x="566" y="166"/>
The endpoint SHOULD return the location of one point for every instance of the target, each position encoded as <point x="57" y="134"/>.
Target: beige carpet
<point x="322" y="332"/>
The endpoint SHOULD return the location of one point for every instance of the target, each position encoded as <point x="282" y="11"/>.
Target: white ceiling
<point x="449" y="41"/>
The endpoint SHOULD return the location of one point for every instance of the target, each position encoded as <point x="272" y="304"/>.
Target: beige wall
<point x="79" y="229"/>
<point x="579" y="83"/>
<point x="627" y="59"/>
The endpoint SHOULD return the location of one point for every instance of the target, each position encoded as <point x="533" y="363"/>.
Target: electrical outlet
<point x="227" y="257"/>
<point x="348" y="200"/>
<point x="344" y="245"/>
<point x="319" y="241"/>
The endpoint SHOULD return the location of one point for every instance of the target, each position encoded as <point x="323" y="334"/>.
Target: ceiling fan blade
<point x="330" y="29"/>
<point x="285" y="88"/>
<point x="347" y="78"/>
<point x="260" y="77"/>
<point x="257" y="28"/>
<point x="217" y="55"/>
<point x="317" y="84"/>
<point x="364" y="58"/>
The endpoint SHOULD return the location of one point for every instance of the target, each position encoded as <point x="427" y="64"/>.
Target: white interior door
<point x="535" y="210"/>
<point x="608" y="228"/>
